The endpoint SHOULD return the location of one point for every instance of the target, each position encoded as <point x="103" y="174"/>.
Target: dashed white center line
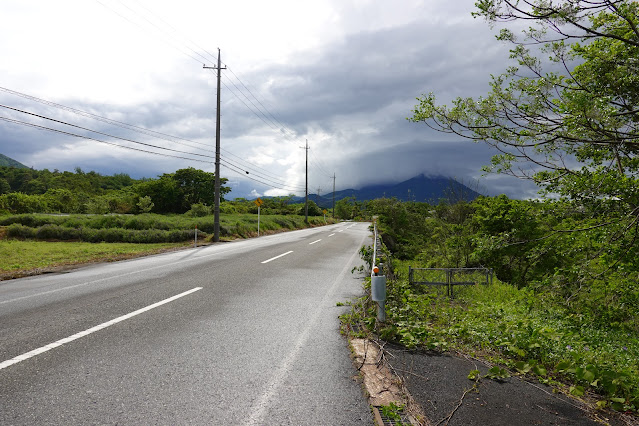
<point x="91" y="330"/>
<point x="341" y="230"/>
<point x="331" y="235"/>
<point x="277" y="257"/>
<point x="310" y="244"/>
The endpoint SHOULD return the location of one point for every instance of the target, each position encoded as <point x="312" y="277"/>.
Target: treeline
<point x="43" y="191"/>
<point x="585" y="260"/>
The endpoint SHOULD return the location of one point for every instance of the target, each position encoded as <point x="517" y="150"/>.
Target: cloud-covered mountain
<point x="430" y="189"/>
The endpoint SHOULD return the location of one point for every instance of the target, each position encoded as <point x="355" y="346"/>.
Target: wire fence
<point x="449" y="278"/>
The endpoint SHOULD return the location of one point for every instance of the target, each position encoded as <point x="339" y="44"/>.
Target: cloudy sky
<point x="342" y="75"/>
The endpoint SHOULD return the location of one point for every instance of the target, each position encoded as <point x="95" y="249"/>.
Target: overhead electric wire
<point x="319" y="164"/>
<point x="282" y="128"/>
<point x="103" y="134"/>
<point x="284" y="187"/>
<point x="239" y="171"/>
<point x="132" y="141"/>
<point x="24" y="123"/>
<point x="148" y="132"/>
<point x="138" y="25"/>
<point x="260" y="114"/>
<point x="76" y="111"/>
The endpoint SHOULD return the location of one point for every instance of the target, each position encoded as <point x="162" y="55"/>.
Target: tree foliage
<point x="24" y="190"/>
<point x="570" y="123"/>
<point x="576" y="125"/>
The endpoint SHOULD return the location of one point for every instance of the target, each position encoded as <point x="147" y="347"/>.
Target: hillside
<point x="10" y="162"/>
<point x="421" y="188"/>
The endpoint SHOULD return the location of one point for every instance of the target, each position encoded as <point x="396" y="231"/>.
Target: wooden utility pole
<point x="216" y="210"/>
<point x="306" y="197"/>
<point x="333" y="195"/>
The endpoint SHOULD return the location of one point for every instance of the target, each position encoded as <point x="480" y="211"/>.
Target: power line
<point x="123" y="125"/>
<point x="97" y="140"/>
<point x="262" y="112"/>
<point x="270" y="183"/>
<point x="170" y="138"/>
<point x="102" y="133"/>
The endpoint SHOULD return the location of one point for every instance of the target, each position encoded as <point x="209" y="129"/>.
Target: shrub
<point x="199" y="210"/>
<point x="17" y="230"/>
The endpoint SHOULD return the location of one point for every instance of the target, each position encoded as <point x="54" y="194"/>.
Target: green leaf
<point x="577" y="390"/>
<point x="473" y="375"/>
<point x="539" y="370"/>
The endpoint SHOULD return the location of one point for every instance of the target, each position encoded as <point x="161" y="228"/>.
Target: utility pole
<point x="319" y="189"/>
<point x="216" y="210"/>
<point x="333" y="195"/>
<point x="306" y="197"/>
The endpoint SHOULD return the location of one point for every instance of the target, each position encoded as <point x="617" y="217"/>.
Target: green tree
<point x="574" y="129"/>
<point x="145" y="204"/>
<point x="164" y="192"/>
<point x="4" y="186"/>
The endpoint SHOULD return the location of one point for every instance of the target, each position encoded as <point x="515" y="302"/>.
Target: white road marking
<point x="310" y="244"/>
<point x="331" y="235"/>
<point x="91" y="330"/>
<point x="259" y="410"/>
<point x="341" y="230"/>
<point x="277" y="257"/>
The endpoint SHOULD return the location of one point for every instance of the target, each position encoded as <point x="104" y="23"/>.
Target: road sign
<point x="258" y="202"/>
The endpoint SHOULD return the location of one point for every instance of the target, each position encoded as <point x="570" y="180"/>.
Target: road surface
<point x="242" y="333"/>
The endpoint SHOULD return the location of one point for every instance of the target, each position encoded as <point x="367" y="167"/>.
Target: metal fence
<point x="449" y="277"/>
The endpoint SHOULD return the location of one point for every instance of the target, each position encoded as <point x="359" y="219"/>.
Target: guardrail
<point x="449" y="277"/>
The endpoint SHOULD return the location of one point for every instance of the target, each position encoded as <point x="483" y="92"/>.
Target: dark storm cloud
<point x="349" y="97"/>
<point x="371" y="80"/>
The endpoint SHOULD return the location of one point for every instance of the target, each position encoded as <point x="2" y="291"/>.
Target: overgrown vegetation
<point x="24" y="190"/>
<point x="565" y="307"/>
<point x="144" y="228"/>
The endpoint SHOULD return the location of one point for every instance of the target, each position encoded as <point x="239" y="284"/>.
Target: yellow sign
<point x="258" y="202"/>
<point x="325" y="211"/>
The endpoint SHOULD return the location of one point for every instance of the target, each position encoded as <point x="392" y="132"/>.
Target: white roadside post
<point x="378" y="283"/>
<point x="195" y="243"/>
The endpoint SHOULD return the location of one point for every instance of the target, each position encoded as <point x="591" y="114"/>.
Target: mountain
<point x="430" y="189"/>
<point x="10" y="162"/>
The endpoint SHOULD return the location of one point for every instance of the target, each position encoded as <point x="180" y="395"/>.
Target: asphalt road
<point x="242" y="333"/>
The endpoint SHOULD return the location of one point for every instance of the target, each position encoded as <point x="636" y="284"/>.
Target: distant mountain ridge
<point x="10" y="162"/>
<point x="430" y="189"/>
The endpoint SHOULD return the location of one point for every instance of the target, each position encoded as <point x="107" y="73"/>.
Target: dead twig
<point x="461" y="401"/>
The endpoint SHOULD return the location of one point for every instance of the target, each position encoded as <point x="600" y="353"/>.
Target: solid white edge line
<point x="91" y="330"/>
<point x="277" y="257"/>
<point x="310" y="244"/>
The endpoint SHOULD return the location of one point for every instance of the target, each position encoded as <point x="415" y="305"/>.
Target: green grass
<point x="26" y="256"/>
<point x="18" y="258"/>
<point x="515" y="328"/>
<point x="147" y="228"/>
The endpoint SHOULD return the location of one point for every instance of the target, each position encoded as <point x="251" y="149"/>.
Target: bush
<point x="199" y="210"/>
<point x="17" y="230"/>
<point x="17" y="202"/>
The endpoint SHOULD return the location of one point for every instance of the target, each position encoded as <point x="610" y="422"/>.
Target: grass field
<point x="39" y="243"/>
<point x="22" y="258"/>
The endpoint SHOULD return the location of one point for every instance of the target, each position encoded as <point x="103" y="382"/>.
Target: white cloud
<point x="343" y="75"/>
